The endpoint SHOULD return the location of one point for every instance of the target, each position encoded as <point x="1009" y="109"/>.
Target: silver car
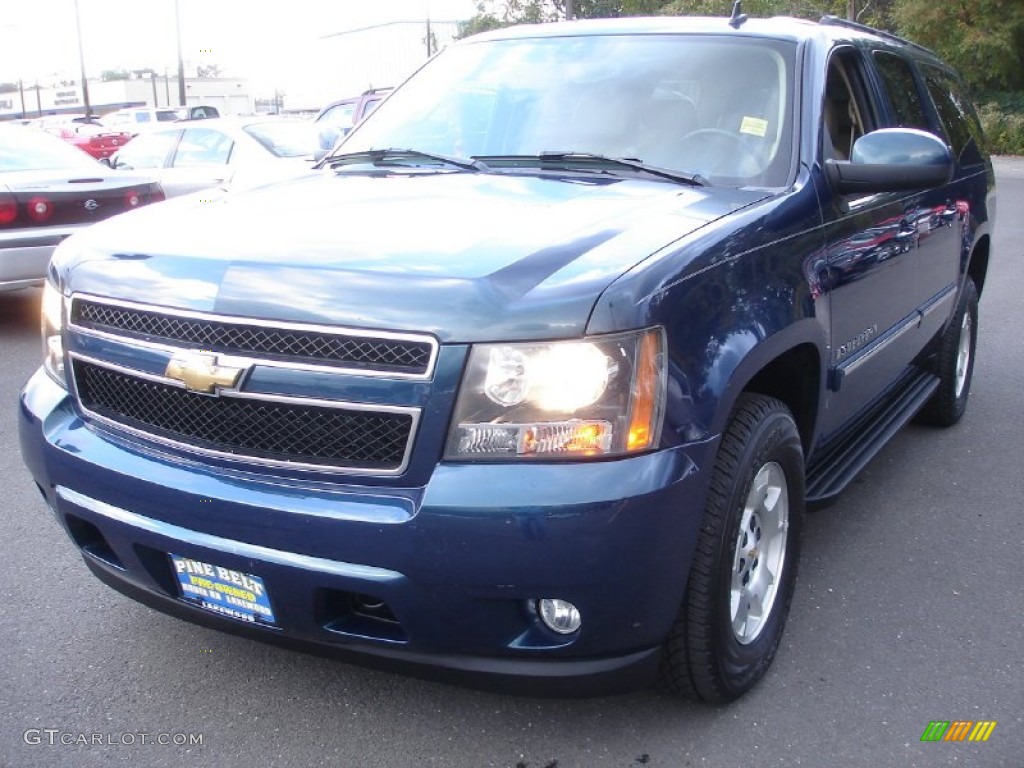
<point x="48" y="190"/>
<point x="222" y="152"/>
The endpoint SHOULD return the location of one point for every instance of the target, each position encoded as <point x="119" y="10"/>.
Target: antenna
<point x="738" y="16"/>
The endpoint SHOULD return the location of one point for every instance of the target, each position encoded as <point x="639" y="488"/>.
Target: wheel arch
<point x="788" y="366"/>
<point x="977" y="264"/>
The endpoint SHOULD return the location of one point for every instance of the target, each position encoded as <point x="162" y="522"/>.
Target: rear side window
<point x="202" y="146"/>
<point x="901" y="87"/>
<point x="960" y="122"/>
<point x="147" y="150"/>
<point x="142" y="117"/>
<point x="340" y="115"/>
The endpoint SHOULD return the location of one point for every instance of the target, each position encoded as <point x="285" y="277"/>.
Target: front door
<point x="872" y="269"/>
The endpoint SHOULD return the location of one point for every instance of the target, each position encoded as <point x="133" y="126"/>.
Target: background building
<point x="230" y="95"/>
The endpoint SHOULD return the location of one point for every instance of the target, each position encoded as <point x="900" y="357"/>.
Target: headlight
<point x="603" y="396"/>
<point x="53" y="324"/>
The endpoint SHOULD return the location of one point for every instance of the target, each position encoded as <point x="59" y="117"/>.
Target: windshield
<point x="720" y="107"/>
<point x="27" y="149"/>
<point x="286" y="138"/>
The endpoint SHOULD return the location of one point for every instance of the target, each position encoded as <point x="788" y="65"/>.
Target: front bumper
<point x="457" y="562"/>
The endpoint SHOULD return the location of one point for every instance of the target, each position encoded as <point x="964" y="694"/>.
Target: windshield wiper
<point x="576" y="160"/>
<point x="393" y="156"/>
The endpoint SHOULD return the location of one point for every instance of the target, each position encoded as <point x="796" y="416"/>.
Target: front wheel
<point x="954" y="363"/>
<point x="744" y="569"/>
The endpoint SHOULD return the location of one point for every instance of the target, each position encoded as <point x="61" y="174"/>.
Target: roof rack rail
<point x="838" y="21"/>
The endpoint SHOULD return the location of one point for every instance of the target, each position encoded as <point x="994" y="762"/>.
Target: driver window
<point x="845" y="117"/>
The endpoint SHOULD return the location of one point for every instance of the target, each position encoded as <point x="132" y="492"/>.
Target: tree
<point x="208" y="70"/>
<point x="984" y="39"/>
<point x="802" y="9"/>
<point x="494" y="14"/>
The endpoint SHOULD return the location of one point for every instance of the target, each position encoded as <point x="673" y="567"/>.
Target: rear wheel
<point x="744" y="570"/>
<point x="954" y="363"/>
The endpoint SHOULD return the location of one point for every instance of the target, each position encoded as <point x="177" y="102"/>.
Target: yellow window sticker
<point x="754" y="126"/>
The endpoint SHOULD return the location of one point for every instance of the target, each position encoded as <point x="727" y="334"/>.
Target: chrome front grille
<point x="241" y="419"/>
<point x="399" y="355"/>
<point x="286" y="431"/>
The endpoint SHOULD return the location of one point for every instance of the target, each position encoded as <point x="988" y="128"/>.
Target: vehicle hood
<point x="465" y="256"/>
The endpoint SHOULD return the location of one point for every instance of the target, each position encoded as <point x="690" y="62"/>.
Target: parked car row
<point x="50" y="189"/>
<point x="102" y="136"/>
<point x="136" y="120"/>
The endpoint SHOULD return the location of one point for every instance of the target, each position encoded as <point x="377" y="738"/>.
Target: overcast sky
<point x="257" y="39"/>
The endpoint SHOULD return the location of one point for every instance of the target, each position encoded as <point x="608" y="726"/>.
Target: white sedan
<point x="223" y="152"/>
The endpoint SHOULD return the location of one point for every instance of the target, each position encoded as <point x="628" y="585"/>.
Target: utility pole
<point x="21" y="91"/>
<point x="81" y="62"/>
<point x="851" y="10"/>
<point x="568" y="10"/>
<point x="181" y="61"/>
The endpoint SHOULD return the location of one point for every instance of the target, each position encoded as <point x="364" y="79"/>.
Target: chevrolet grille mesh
<point x="277" y="431"/>
<point x="373" y="354"/>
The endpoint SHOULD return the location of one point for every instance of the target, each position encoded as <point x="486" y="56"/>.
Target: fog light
<point x="559" y="615"/>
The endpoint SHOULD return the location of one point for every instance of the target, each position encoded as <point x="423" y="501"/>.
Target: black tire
<point x="947" y="405"/>
<point x="703" y="656"/>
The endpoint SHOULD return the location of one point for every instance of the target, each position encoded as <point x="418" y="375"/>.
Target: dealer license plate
<point x="223" y="591"/>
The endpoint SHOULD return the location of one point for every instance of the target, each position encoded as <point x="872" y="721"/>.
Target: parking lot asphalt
<point x="909" y="608"/>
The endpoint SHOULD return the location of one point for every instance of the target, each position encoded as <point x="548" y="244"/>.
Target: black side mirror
<point x="892" y="160"/>
<point x="107" y="162"/>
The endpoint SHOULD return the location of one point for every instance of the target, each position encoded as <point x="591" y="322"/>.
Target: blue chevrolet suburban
<point x="531" y="382"/>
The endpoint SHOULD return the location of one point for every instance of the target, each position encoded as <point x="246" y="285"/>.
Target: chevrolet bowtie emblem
<point x="200" y="372"/>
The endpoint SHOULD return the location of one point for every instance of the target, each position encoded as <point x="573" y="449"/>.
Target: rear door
<point x="934" y="213"/>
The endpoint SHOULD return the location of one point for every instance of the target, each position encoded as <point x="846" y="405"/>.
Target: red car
<point x="95" y="139"/>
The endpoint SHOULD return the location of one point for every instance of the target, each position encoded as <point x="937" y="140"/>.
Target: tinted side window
<point x="904" y="95"/>
<point x="959" y="120"/>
